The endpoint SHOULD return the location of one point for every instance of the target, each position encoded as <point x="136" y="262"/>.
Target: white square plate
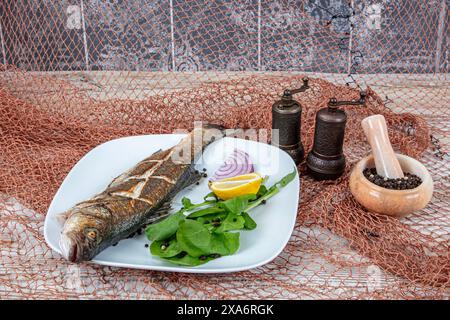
<point x="97" y="168"/>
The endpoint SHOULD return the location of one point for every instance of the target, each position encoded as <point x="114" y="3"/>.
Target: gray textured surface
<point x="409" y="40"/>
<point x="295" y="36"/>
<point x="128" y="35"/>
<point x="36" y="36"/>
<point x="215" y="35"/>
<point x="364" y="36"/>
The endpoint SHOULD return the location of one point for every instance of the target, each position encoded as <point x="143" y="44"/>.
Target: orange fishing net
<point x="79" y="73"/>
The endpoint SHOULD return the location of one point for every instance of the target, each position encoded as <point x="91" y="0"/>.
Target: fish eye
<point x="91" y="233"/>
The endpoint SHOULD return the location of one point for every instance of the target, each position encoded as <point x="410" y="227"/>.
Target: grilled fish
<point x="134" y="199"/>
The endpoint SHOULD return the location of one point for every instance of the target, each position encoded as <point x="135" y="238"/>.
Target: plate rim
<point x="174" y="268"/>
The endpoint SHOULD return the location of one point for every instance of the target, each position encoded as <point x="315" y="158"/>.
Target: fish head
<point x="83" y="234"/>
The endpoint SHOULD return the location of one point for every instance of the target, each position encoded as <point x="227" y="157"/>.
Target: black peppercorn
<point x="409" y="181"/>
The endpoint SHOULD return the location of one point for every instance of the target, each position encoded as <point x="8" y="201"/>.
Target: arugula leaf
<point x="225" y="244"/>
<point x="262" y="191"/>
<point x="206" y="211"/>
<point x="194" y="238"/>
<point x="231" y="222"/>
<point x="238" y="204"/>
<point x="208" y="218"/>
<point x="285" y="180"/>
<point x="232" y="241"/>
<point x="211" y="221"/>
<point x="189" y="206"/>
<point x="273" y="190"/>
<point x="172" y="248"/>
<point x="187" y="260"/>
<point x="210" y="195"/>
<point x="186" y="202"/>
<point x="204" y="236"/>
<point x="165" y="228"/>
<point x="249" y="223"/>
<point x="288" y="178"/>
<point x="202" y="220"/>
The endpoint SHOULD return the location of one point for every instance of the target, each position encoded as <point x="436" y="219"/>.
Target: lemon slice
<point x="236" y="186"/>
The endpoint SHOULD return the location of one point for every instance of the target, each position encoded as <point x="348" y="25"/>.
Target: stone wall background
<point x="336" y="36"/>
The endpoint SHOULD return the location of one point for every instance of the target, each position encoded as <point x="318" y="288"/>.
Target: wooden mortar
<point x="391" y="202"/>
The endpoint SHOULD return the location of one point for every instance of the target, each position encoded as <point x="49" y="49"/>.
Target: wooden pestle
<point x="386" y="162"/>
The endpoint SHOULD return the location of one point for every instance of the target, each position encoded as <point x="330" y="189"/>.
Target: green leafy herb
<point x="194" y="238"/>
<point x="165" y="249"/>
<point x="209" y="196"/>
<point x="186" y="202"/>
<point x="165" y="228"/>
<point x="273" y="190"/>
<point x="206" y="211"/>
<point x="224" y="244"/>
<point x="205" y="235"/>
<point x="189" y="206"/>
<point x="249" y="223"/>
<point x="262" y="191"/>
<point x="233" y="221"/>
<point x="238" y="204"/>
<point x="285" y="180"/>
<point x="210" y="217"/>
<point x="187" y="260"/>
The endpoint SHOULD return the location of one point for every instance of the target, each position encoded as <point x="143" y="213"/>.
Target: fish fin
<point x="160" y="213"/>
<point x="164" y="208"/>
<point x="194" y="177"/>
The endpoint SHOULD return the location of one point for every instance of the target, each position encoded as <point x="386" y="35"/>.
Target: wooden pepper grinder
<point x="286" y="118"/>
<point x="326" y="161"/>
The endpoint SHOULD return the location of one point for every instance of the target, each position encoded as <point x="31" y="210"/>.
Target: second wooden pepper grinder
<point x="286" y="119"/>
<point x="326" y="161"/>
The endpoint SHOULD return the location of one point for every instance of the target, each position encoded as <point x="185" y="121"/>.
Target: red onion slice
<point x="238" y="163"/>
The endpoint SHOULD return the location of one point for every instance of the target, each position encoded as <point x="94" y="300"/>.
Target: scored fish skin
<point x="133" y="199"/>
